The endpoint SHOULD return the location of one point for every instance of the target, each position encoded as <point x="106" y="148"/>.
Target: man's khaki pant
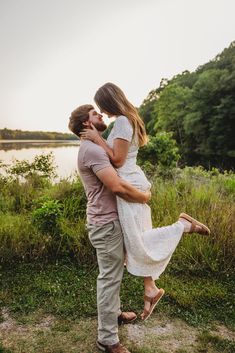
<point x="108" y="242"/>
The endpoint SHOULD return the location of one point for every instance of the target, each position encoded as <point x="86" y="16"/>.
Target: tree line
<point x="198" y="108"/>
<point x="7" y="134"/>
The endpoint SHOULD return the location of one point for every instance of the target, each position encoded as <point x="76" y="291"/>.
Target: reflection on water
<point x="7" y="145"/>
<point x="65" y="153"/>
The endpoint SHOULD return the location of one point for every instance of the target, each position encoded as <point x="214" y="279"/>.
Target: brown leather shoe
<point x="126" y="318"/>
<point x="114" y="348"/>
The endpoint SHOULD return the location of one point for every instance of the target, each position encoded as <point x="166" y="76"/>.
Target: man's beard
<point x="100" y="126"/>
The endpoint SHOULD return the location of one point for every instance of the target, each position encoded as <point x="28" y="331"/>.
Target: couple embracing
<point x="118" y="217"/>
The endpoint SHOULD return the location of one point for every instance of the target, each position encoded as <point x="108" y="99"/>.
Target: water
<point x="65" y="153"/>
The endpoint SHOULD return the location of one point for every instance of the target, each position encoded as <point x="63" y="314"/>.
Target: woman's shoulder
<point x="122" y="120"/>
<point x="122" y="128"/>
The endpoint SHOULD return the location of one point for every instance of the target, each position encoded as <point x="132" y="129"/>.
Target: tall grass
<point x="208" y="196"/>
<point x="44" y="221"/>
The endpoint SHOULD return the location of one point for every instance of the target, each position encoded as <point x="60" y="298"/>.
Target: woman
<point x="148" y="250"/>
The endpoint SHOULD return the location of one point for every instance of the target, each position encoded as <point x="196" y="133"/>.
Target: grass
<point x="39" y="331"/>
<point x="58" y="336"/>
<point x="48" y="267"/>
<point x="47" y="222"/>
<point x="52" y="309"/>
<point x="215" y="343"/>
<point x="69" y="291"/>
<point x="4" y="350"/>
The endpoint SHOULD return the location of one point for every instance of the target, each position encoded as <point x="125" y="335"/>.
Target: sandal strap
<point x="148" y="299"/>
<point x="193" y="227"/>
<point x="194" y="224"/>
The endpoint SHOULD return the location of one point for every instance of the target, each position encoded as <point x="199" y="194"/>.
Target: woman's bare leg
<point x="151" y="290"/>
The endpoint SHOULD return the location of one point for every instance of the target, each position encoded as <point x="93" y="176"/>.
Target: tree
<point x="199" y="108"/>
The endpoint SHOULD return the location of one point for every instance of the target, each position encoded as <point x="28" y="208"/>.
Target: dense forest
<point x="7" y="134"/>
<point x="199" y="109"/>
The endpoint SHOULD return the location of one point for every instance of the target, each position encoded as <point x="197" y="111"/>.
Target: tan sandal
<point x="153" y="302"/>
<point x="204" y="230"/>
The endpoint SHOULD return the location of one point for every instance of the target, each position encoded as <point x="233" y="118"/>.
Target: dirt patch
<point x="45" y="333"/>
<point x="9" y="324"/>
<point x="46" y="323"/>
<point x="168" y="336"/>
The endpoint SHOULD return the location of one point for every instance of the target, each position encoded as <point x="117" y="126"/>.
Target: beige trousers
<point x="108" y="242"/>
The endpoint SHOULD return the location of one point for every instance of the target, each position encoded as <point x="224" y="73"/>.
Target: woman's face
<point x="110" y="115"/>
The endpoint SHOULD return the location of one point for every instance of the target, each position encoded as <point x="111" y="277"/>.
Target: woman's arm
<point x="117" y="155"/>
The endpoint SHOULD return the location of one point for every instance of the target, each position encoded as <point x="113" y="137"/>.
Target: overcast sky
<point x="56" y="53"/>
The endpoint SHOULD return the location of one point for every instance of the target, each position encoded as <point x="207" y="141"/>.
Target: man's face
<point x="97" y="120"/>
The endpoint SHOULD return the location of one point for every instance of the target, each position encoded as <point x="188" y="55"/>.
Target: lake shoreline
<point x="38" y="140"/>
<point x="64" y="153"/>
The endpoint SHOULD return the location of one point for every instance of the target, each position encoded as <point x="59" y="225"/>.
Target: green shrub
<point x="46" y="218"/>
<point x="71" y="194"/>
<point x="161" y="152"/>
<point x="42" y="165"/>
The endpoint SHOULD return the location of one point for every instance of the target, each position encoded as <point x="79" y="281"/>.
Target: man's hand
<point x="108" y="176"/>
<point x="148" y="196"/>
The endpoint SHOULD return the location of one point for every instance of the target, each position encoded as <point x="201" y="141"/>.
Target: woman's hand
<point x="91" y="134"/>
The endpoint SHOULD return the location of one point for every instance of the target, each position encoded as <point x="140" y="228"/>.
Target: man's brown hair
<point x="78" y="117"/>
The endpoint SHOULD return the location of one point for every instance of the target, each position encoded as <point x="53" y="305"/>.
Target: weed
<point x="219" y="344"/>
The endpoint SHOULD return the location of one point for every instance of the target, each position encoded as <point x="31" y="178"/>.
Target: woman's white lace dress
<point x="148" y="250"/>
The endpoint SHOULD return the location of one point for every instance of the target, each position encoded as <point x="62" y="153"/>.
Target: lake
<point x="65" y="153"/>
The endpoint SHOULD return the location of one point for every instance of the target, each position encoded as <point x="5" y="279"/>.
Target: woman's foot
<point x="192" y="225"/>
<point x="151" y="298"/>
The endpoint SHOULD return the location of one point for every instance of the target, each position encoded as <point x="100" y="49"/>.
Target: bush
<point x="71" y="195"/>
<point x="159" y="155"/>
<point x="42" y="165"/>
<point x="47" y="217"/>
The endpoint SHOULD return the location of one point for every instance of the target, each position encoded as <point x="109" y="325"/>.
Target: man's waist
<point x="100" y="219"/>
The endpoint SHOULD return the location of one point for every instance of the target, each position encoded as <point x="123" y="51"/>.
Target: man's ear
<point x="86" y="123"/>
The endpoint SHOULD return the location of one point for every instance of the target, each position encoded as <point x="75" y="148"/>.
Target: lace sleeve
<point x="123" y="129"/>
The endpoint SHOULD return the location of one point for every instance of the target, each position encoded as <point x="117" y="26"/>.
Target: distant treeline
<point x="7" y="134"/>
<point x="199" y="109"/>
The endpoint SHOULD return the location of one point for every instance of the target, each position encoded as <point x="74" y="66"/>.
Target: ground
<point x="39" y="332"/>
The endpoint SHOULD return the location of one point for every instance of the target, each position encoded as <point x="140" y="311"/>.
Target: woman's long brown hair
<point x="111" y="100"/>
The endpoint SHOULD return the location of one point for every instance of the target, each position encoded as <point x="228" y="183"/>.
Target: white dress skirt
<point x="148" y="249"/>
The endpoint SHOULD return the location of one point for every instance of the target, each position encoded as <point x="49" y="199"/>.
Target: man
<point x="102" y="184"/>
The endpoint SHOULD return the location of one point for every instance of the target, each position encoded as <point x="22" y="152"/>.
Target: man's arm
<point x="108" y="176"/>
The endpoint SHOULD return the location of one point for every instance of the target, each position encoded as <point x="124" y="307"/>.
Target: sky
<point x="55" y="54"/>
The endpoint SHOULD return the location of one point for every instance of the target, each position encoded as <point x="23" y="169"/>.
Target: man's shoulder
<point x="91" y="155"/>
<point x="89" y="148"/>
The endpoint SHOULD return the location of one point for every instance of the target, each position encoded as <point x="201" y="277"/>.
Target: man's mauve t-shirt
<point x="101" y="205"/>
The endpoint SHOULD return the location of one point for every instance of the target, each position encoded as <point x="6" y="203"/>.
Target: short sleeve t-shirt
<point x="101" y="205"/>
<point x="122" y="128"/>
